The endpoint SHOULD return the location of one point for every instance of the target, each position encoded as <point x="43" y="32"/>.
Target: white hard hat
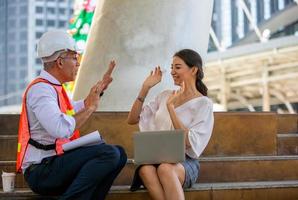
<point x="53" y="41"/>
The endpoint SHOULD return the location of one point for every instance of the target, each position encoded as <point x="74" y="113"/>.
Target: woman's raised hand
<point x="176" y="94"/>
<point x="154" y="78"/>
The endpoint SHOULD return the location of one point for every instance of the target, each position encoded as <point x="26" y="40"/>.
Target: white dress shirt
<point x="196" y="115"/>
<point x="46" y="121"/>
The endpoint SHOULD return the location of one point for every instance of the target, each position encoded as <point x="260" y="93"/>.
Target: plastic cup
<point x="8" y="180"/>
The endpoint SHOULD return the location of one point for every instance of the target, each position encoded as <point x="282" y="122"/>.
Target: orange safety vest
<point x="24" y="128"/>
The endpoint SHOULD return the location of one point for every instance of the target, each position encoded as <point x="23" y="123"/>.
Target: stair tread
<point x="222" y="158"/>
<point x="280" y="135"/>
<point x="196" y="187"/>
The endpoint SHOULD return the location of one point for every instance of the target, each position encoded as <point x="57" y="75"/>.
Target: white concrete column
<point x="140" y="35"/>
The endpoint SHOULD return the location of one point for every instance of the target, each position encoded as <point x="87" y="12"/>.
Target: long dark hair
<point x="193" y="59"/>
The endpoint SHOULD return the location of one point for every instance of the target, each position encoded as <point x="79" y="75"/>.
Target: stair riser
<point x="238" y="171"/>
<point x="233" y="135"/>
<point x="246" y="134"/>
<point x="287" y="146"/>
<point x="9" y="124"/>
<point x="8" y="148"/>
<point x="287" y="123"/>
<point x="216" y="171"/>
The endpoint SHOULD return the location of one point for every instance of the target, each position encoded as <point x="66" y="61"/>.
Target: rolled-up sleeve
<point x="200" y="129"/>
<point x="78" y="105"/>
<point x="42" y="99"/>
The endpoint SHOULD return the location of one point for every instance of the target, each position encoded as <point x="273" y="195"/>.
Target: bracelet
<point x="101" y="94"/>
<point x="141" y="99"/>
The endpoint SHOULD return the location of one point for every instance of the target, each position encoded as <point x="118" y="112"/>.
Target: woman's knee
<point x="147" y="171"/>
<point x="165" y="170"/>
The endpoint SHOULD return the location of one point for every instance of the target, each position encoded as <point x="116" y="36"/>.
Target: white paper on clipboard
<point x="86" y="140"/>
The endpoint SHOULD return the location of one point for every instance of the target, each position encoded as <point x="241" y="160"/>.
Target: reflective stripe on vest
<point x="24" y="129"/>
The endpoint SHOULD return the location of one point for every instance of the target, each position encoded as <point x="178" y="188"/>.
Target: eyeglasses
<point x="75" y="57"/>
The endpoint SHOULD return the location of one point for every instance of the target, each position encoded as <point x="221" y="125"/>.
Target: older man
<point x="49" y="119"/>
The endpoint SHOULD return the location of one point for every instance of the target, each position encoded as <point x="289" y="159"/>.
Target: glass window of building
<point x="38" y="9"/>
<point x="61" y="11"/>
<point x="23" y="61"/>
<point x="39" y="22"/>
<point x="11" y="49"/>
<point x="23" y="10"/>
<point x="1" y="50"/>
<point x="50" y="10"/>
<point x="12" y="36"/>
<point x="38" y="61"/>
<point x="273" y="6"/>
<point x="22" y="85"/>
<point x="50" y="22"/>
<point x="23" y="35"/>
<point x="23" y="23"/>
<point x="61" y="24"/>
<point x="23" y="48"/>
<point x="12" y="87"/>
<point x="38" y="35"/>
<point x="11" y="75"/>
<point x="23" y="73"/>
<point x="12" y="23"/>
<point x="260" y="11"/>
<point x="288" y="2"/>
<point x="11" y="61"/>
<point x="11" y="11"/>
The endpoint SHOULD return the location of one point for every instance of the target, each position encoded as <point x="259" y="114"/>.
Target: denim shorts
<point x="192" y="168"/>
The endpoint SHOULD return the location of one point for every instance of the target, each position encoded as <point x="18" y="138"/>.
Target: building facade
<point x="231" y="24"/>
<point x="22" y="23"/>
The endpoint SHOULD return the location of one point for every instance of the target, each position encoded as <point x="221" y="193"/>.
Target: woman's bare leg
<point x="172" y="177"/>
<point x="148" y="174"/>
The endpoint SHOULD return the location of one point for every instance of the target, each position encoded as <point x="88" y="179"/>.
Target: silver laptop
<point x="155" y="147"/>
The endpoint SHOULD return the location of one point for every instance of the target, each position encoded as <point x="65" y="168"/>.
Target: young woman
<point x="188" y="109"/>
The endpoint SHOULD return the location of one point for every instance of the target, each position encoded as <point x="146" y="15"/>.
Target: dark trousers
<point x="83" y="173"/>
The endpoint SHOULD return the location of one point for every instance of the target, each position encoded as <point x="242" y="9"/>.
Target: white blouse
<point x="196" y="115"/>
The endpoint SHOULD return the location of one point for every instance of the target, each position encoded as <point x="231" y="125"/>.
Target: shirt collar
<point x="45" y="75"/>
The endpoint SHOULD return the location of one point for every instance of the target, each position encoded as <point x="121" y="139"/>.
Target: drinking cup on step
<point x="8" y="181"/>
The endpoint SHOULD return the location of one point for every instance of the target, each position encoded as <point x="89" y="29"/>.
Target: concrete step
<point x="234" y="134"/>
<point x="8" y="147"/>
<point x="287" y="123"/>
<point x="214" y="169"/>
<point x="287" y="144"/>
<point x="277" y="190"/>
<point x="9" y="124"/>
